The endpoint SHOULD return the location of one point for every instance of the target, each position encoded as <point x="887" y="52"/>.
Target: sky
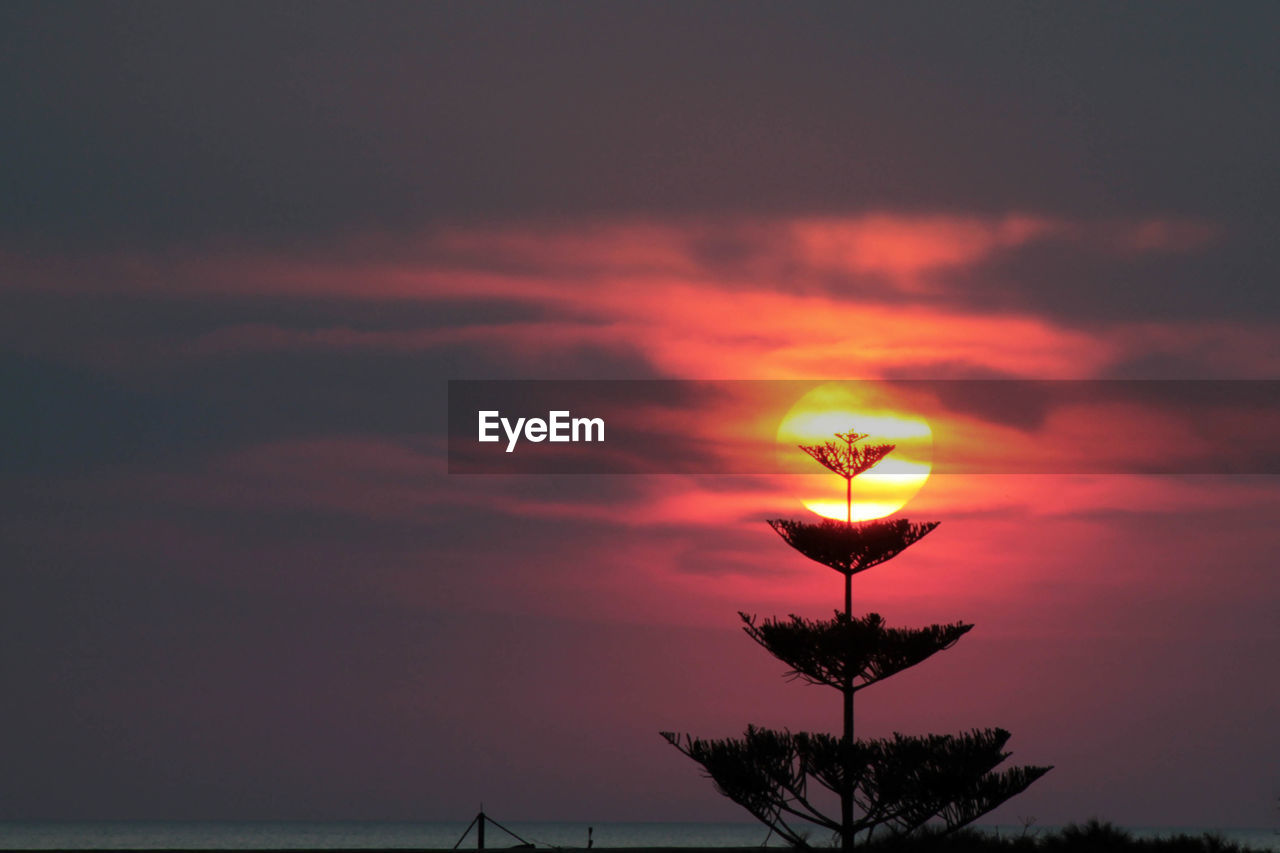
<point x="243" y="250"/>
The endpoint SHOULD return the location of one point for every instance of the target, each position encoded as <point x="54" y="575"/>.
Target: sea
<point x="267" y="835"/>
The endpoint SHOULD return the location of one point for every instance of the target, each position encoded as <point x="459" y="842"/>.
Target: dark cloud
<point x="1092" y="283"/>
<point x="66" y="322"/>
<point x="66" y="419"/>
<point x="152" y="123"/>
<point x="70" y="418"/>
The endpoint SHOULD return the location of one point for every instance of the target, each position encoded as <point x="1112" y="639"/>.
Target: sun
<point x="864" y="407"/>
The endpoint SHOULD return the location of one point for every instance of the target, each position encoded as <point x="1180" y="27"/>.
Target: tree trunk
<point x="846" y="793"/>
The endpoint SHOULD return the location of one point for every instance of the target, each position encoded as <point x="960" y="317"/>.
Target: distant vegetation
<point x="1091" y="837"/>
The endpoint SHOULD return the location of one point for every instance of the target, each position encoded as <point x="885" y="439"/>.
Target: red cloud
<point x="793" y="297"/>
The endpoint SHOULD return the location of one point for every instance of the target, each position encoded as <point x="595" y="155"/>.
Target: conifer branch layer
<point x="851" y="548"/>
<point x="842" y="651"/>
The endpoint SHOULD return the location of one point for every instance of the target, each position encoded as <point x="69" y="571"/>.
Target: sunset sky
<point x="243" y="249"/>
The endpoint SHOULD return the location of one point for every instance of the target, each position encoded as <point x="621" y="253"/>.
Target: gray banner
<point x="943" y="426"/>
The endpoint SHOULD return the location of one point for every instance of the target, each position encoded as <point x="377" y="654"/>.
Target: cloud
<point x="879" y="294"/>
<point x="187" y="126"/>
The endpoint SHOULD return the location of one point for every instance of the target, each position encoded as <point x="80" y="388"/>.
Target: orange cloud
<point x="901" y="246"/>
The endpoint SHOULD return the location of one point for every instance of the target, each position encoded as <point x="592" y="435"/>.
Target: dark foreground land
<point x="1093" y="837"/>
<point x="1076" y="838"/>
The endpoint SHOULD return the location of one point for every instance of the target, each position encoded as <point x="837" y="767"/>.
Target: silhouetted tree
<point x="895" y="784"/>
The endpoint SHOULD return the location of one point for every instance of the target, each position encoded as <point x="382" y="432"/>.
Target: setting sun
<point x="840" y="406"/>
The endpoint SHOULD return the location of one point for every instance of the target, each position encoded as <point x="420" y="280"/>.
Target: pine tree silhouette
<point x="895" y="784"/>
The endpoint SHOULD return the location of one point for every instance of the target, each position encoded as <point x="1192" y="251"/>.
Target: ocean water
<point x="267" y="835"/>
